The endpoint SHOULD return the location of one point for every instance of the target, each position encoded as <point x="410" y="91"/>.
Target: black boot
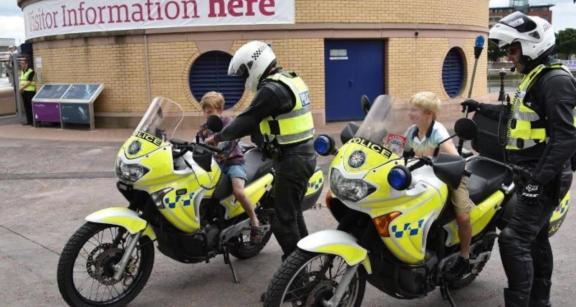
<point x="540" y="294"/>
<point x="515" y="298"/>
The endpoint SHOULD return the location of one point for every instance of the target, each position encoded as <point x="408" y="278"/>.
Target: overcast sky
<point x="12" y="23"/>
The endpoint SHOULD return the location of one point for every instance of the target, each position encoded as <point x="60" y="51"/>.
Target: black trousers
<point x="27" y="101"/>
<point x="293" y="171"/>
<point x="525" y="248"/>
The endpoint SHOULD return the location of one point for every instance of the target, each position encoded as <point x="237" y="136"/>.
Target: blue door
<point x="353" y="68"/>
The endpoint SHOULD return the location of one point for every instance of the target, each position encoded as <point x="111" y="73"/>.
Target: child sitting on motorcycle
<point x="424" y="136"/>
<point x="231" y="161"/>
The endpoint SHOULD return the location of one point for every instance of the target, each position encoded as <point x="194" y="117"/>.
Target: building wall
<point x="136" y="66"/>
<point x="459" y="12"/>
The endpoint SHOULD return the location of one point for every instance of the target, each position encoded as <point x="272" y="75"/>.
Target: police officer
<point x="27" y="86"/>
<point x="541" y="138"/>
<point x="280" y="111"/>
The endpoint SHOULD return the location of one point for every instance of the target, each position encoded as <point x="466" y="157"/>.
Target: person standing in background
<point x="27" y="87"/>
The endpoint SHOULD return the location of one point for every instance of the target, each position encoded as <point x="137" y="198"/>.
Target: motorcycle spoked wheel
<point x="307" y="279"/>
<point x="242" y="248"/>
<point x="467" y="279"/>
<point x="85" y="274"/>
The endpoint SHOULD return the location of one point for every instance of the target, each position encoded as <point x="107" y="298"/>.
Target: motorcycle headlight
<point x="349" y="189"/>
<point x="130" y="173"/>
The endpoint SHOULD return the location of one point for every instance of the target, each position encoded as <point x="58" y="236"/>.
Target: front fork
<point x="121" y="265"/>
<point x="342" y="286"/>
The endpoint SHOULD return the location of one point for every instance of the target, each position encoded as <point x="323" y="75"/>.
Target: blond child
<point x="424" y="136"/>
<point x="232" y="161"/>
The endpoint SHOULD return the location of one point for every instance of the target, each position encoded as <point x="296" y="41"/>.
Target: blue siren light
<point x="399" y="178"/>
<point x="323" y="145"/>
<point x="479" y="41"/>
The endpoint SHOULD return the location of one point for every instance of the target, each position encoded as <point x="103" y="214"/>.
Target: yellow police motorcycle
<point x="397" y="229"/>
<point x="179" y="198"/>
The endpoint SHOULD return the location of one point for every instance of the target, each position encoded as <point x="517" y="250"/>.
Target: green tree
<point x="494" y="53"/>
<point x="566" y="42"/>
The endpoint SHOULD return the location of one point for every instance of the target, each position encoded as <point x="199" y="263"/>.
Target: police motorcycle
<point x="179" y="198"/>
<point x="396" y="227"/>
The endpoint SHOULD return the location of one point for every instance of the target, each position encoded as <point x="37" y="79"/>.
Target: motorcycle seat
<point x="256" y="166"/>
<point x="486" y="178"/>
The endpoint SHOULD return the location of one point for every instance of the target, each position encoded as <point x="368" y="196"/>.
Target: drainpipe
<point x="147" y="68"/>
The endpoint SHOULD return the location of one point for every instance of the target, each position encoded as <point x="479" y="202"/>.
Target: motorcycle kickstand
<point x="445" y="291"/>
<point x="229" y="263"/>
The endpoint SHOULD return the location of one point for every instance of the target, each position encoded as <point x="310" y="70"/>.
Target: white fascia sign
<point x="56" y="17"/>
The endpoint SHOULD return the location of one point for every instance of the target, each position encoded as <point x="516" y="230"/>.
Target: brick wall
<point x="413" y="63"/>
<point x="464" y="12"/>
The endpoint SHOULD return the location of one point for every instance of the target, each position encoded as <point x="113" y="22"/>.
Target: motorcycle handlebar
<point x="421" y="162"/>
<point x="211" y="148"/>
<point x="190" y="146"/>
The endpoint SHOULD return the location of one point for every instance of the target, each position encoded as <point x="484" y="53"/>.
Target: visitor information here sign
<point x="55" y="17"/>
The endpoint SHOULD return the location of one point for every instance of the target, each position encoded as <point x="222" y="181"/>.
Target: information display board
<point x="66" y="103"/>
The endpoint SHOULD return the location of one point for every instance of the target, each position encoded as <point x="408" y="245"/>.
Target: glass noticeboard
<point x="82" y="92"/>
<point x="69" y="92"/>
<point x="51" y="92"/>
<point x="66" y="103"/>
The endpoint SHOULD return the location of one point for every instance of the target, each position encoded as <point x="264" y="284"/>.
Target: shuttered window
<point x="453" y="72"/>
<point x="210" y="73"/>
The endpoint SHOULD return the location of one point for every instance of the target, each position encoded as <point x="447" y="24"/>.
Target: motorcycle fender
<point x="123" y="217"/>
<point x="339" y="243"/>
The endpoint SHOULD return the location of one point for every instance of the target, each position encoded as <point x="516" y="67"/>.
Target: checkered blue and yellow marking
<point x="170" y="201"/>
<point x="316" y="185"/>
<point x="410" y="229"/>
<point x="563" y="207"/>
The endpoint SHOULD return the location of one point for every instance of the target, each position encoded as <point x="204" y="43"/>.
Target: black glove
<point x="471" y="104"/>
<point x="531" y="191"/>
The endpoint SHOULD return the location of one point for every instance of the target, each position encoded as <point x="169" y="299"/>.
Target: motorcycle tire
<point x="289" y="273"/>
<point x="467" y="279"/>
<point x="243" y="249"/>
<point x="99" y="259"/>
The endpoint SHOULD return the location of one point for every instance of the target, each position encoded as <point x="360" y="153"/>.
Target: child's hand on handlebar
<point x="211" y="141"/>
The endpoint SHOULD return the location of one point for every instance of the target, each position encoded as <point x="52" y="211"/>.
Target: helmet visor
<point x="519" y="21"/>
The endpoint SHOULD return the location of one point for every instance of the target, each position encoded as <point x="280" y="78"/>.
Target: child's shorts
<point x="461" y="197"/>
<point x="235" y="171"/>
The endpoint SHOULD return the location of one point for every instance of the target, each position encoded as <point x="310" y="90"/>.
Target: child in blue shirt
<point x="424" y="136"/>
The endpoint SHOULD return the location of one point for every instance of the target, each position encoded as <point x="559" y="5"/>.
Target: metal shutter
<point x="210" y="73"/>
<point x="453" y="72"/>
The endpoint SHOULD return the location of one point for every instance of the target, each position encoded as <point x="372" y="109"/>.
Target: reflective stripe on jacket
<point x="24" y="78"/>
<point x="525" y="127"/>
<point x="295" y="126"/>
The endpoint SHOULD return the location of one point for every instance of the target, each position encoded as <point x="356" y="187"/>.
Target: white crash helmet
<point x="251" y="61"/>
<point x="535" y="34"/>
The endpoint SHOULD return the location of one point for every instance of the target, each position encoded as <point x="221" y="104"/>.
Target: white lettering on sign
<point x="45" y="18"/>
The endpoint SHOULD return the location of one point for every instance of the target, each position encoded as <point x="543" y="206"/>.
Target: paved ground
<point x="50" y="179"/>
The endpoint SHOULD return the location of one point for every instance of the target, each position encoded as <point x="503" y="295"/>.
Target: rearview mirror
<point x="348" y="132"/>
<point x="214" y="123"/>
<point x="465" y="129"/>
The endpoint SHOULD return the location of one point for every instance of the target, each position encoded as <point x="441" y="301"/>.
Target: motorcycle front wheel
<point x="85" y="269"/>
<point x="308" y="279"/>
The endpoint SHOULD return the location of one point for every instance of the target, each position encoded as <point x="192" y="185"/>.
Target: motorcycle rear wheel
<point x="242" y="248"/>
<point x="299" y="282"/>
<point x="467" y="279"/>
<point x="91" y="252"/>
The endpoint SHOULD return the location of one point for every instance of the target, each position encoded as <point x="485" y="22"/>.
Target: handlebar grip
<point x="211" y="148"/>
<point x="417" y="165"/>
